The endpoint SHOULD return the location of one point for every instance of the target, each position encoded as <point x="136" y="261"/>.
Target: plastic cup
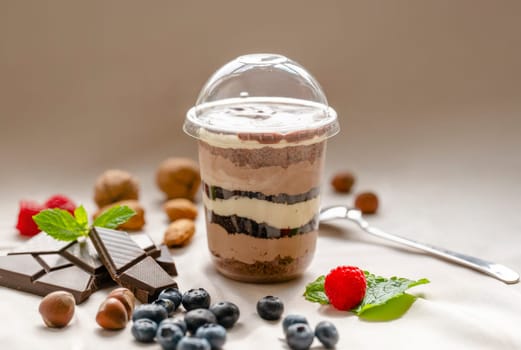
<point x="262" y="122"/>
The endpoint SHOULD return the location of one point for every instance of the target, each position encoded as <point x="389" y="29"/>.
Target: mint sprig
<point x="63" y="226"/>
<point x="114" y="217"/>
<point x="385" y="298"/>
<point x="315" y="291"/>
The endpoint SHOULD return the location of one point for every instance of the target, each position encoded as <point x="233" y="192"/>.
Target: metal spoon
<point x="498" y="271"/>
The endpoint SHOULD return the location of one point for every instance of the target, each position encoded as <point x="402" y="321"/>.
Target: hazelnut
<point x="112" y="314"/>
<point x="343" y="182"/>
<point x="179" y="232"/>
<point x="180" y="208"/>
<point x="57" y="309"/>
<point x="126" y="297"/>
<point x="178" y="178"/>
<point x="366" y="202"/>
<point x="114" y="186"/>
<point x="134" y="223"/>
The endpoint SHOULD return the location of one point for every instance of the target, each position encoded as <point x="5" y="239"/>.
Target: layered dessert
<point x="262" y="122"/>
<point x="261" y="190"/>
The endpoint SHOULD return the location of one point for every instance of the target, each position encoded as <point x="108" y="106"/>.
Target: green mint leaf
<point x="114" y="216"/>
<point x="59" y="224"/>
<point x="315" y="291"/>
<point x="81" y="217"/>
<point x="394" y="308"/>
<point x="380" y="290"/>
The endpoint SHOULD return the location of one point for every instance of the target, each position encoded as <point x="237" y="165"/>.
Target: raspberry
<point x="26" y="225"/>
<point x="60" y="201"/>
<point x="345" y="287"/>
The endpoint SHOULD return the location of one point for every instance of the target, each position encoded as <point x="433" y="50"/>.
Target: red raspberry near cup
<point x="345" y="287"/>
<point x="26" y="225"/>
<point x="61" y="202"/>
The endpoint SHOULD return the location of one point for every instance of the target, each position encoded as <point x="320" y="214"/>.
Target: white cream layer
<point x="233" y="141"/>
<point x="278" y="215"/>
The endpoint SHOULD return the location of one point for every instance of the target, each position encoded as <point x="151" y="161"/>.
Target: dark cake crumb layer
<point x="234" y="224"/>
<point x="277" y="270"/>
<point x="216" y="192"/>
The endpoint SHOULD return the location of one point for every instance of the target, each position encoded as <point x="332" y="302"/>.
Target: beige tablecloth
<point x="428" y="96"/>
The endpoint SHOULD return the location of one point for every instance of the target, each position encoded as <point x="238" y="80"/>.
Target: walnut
<point x="178" y="178"/>
<point x="136" y="222"/>
<point x="114" y="186"/>
<point x="180" y="208"/>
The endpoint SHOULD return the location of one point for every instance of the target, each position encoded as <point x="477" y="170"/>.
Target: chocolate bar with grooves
<point x="129" y="265"/>
<point x="25" y="272"/>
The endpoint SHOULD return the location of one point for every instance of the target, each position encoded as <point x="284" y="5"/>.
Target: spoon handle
<point x="498" y="271"/>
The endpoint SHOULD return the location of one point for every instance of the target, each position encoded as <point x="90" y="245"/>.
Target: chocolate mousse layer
<point x="296" y="175"/>
<point x="253" y="259"/>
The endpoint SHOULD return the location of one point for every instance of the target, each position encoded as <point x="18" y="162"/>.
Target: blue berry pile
<point x="298" y="332"/>
<point x="202" y="327"/>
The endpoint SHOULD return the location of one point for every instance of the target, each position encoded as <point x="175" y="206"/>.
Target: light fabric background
<point x="429" y="99"/>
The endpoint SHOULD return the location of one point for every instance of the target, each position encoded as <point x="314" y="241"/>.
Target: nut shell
<point x="343" y="182"/>
<point x="178" y="178"/>
<point x="112" y="314"/>
<point x="114" y="186"/>
<point x="179" y="232"/>
<point x="57" y="309"/>
<point x="126" y="297"/>
<point x="136" y="222"/>
<point x="180" y="208"/>
<point x="366" y="202"/>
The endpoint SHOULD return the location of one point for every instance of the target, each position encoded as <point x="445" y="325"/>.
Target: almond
<point x="180" y="208"/>
<point x="179" y="232"/>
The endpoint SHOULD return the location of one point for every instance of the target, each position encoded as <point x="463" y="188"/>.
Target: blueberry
<point x="196" y="299"/>
<point x="168" y="335"/>
<point x="214" y="333"/>
<point x="172" y="294"/>
<point x="292" y="319"/>
<point x="167" y="304"/>
<point x="144" y="330"/>
<point x="196" y="318"/>
<point x="179" y="322"/>
<point x="299" y="336"/>
<point x="188" y="343"/>
<point x="227" y="313"/>
<point x="327" y="333"/>
<point x="154" y="312"/>
<point x="270" y="308"/>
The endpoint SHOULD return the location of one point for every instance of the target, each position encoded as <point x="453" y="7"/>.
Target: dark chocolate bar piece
<point x="85" y="256"/>
<point x="42" y="243"/>
<point x="144" y="241"/>
<point x="24" y="272"/>
<point x="42" y="265"/>
<point x="78" y="282"/>
<point x="166" y="261"/>
<point x="52" y="262"/>
<point x="129" y="265"/>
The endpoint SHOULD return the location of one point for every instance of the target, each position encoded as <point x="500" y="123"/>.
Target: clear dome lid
<point x="262" y="94"/>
